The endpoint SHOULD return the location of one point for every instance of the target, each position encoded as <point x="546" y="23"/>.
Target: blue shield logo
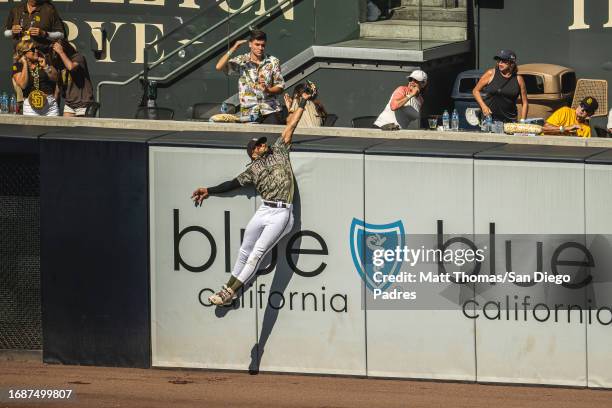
<point x="365" y="239"/>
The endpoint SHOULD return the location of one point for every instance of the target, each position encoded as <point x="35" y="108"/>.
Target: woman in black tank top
<point x="501" y="87"/>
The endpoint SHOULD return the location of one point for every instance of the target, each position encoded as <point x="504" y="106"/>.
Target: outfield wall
<point x="466" y="186"/>
<point x="127" y="261"/>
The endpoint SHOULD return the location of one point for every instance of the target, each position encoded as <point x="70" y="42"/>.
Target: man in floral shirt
<point x="260" y="78"/>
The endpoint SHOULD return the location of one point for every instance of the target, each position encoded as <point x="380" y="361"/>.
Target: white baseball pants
<point x="266" y="228"/>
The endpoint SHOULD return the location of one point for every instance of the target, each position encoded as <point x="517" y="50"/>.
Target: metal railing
<point x="200" y="56"/>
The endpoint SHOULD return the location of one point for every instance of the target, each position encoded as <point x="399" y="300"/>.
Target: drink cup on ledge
<point x="433" y="122"/>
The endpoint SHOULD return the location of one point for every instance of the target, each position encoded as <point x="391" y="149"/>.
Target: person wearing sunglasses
<point x="37" y="78"/>
<point x="566" y="121"/>
<point x="498" y="90"/>
<point x="36" y="20"/>
<point x="405" y="103"/>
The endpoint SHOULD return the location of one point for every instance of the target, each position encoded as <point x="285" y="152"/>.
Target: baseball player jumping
<point x="271" y="173"/>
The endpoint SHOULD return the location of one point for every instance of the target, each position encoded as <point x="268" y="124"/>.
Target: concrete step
<point x="435" y="3"/>
<point x="430" y="13"/>
<point x="448" y="31"/>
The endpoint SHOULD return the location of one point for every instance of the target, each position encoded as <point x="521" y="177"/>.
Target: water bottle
<point x="455" y="120"/>
<point x="224" y="108"/>
<point x="4" y="103"/>
<point x="489" y="124"/>
<point x="445" y="120"/>
<point x="13" y="104"/>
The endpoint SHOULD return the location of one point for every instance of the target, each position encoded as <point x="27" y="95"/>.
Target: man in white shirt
<point x="405" y="103"/>
<point x="610" y="121"/>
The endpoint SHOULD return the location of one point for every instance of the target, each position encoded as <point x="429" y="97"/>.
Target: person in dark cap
<point x="33" y="20"/>
<point x="271" y="173"/>
<point x="566" y="121"/>
<point x="498" y="90"/>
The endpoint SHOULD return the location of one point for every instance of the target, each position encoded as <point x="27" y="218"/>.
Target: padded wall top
<point x="601" y="158"/>
<point x="105" y="134"/>
<point x="431" y="148"/>
<point x="544" y="153"/>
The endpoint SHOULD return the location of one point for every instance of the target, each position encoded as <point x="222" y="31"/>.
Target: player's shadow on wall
<point x="280" y="282"/>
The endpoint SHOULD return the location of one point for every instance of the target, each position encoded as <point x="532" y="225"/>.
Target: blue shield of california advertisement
<point x="365" y="238"/>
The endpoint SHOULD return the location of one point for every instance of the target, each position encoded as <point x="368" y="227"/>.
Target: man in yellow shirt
<point x="566" y="121"/>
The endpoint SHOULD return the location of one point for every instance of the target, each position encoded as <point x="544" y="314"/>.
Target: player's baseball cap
<point x="506" y="55"/>
<point x="254" y="142"/>
<point x="419" y="76"/>
<point x="589" y="104"/>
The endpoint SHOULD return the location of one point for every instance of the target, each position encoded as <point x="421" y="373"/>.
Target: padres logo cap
<point x="589" y="104"/>
<point x="254" y="142"/>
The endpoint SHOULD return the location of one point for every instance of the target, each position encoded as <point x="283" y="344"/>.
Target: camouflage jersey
<point x="271" y="174"/>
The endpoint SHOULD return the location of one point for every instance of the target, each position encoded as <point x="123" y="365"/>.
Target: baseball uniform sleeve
<point x="224" y="187"/>
<point x="610" y="119"/>
<point x="281" y="146"/>
<point x="246" y="177"/>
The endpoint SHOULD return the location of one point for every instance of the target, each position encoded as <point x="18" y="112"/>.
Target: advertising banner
<point x="598" y="179"/>
<point x="313" y="320"/>
<point x="303" y="312"/>
<point x="192" y="253"/>
<point x="521" y="335"/>
<point x="430" y="196"/>
<point x="362" y="284"/>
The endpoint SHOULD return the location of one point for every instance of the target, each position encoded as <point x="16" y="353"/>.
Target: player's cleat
<point x="222" y="297"/>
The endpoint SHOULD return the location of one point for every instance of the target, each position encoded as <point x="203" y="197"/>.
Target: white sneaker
<point x="223" y="297"/>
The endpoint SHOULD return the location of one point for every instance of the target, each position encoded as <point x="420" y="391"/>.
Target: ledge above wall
<point x="177" y="126"/>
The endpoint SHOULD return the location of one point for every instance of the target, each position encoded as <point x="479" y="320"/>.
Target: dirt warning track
<point x="157" y="388"/>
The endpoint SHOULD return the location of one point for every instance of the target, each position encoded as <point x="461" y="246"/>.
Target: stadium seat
<point x="92" y="110"/>
<point x="204" y="110"/>
<point x="599" y="132"/>
<point x="363" y="121"/>
<point x="144" y="112"/>
<point x="597" y="88"/>
<point x="330" y="119"/>
<point x="599" y="126"/>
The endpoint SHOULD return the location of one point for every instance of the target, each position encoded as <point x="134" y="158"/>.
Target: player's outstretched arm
<point x="202" y="193"/>
<point x="294" y="119"/>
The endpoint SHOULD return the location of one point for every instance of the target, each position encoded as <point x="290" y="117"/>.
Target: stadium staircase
<point x="434" y="22"/>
